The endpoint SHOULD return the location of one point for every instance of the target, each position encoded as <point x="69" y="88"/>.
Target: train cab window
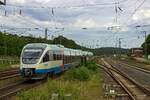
<point x="51" y="58"/>
<point x="46" y="57"/>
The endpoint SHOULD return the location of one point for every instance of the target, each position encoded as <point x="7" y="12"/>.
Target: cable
<point x="25" y="20"/>
<point x="136" y="9"/>
<point x="82" y="5"/>
<point x="61" y="7"/>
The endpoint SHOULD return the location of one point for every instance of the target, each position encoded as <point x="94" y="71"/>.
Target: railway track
<point x="9" y="74"/>
<point x="134" y="63"/>
<point x="1" y="71"/>
<point x="140" y="75"/>
<point x="134" y="66"/>
<point x="10" y="90"/>
<point x="132" y="88"/>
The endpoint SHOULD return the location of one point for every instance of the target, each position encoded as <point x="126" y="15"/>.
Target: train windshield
<point x="31" y="56"/>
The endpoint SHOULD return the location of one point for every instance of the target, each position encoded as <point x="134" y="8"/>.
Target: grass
<point x="4" y="66"/>
<point x="65" y="88"/>
<point x="78" y="90"/>
<point x="81" y="73"/>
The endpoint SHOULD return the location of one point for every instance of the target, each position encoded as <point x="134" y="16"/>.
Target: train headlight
<point x="28" y="72"/>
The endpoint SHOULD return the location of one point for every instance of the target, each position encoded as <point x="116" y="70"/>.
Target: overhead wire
<point x="136" y="9"/>
<point x="74" y="6"/>
<point x="118" y="10"/>
<point x="26" y="21"/>
<point x="87" y="5"/>
<point x="20" y="20"/>
<point x="17" y="19"/>
<point x="133" y="13"/>
<point x="62" y="7"/>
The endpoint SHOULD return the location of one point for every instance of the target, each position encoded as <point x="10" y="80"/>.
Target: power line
<point x="62" y="7"/>
<point x="26" y="20"/>
<point x="22" y="19"/>
<point x="56" y="7"/>
<point x="136" y="9"/>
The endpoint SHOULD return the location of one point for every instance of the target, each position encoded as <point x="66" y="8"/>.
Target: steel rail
<point x="145" y="90"/>
<point x="139" y="86"/>
<point x="115" y="79"/>
<point x="135" y="67"/>
<point x="17" y="87"/>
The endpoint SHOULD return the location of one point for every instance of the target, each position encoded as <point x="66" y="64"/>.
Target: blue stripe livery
<point x="56" y="69"/>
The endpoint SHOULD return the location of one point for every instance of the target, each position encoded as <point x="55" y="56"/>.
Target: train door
<point x="48" y="56"/>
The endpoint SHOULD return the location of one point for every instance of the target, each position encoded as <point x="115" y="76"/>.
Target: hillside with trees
<point x="11" y="45"/>
<point x="110" y="51"/>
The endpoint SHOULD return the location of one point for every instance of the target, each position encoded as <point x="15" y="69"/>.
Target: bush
<point x="81" y="73"/>
<point x="91" y="65"/>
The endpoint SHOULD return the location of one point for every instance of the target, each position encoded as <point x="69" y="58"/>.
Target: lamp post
<point x="120" y="46"/>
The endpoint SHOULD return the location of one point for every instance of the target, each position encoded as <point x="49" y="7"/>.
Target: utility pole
<point x="120" y="47"/>
<point x="46" y="33"/>
<point x="145" y="45"/>
<point x="20" y="12"/>
<point x="5" y="13"/>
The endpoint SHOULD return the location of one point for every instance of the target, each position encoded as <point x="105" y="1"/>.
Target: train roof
<point x="67" y="51"/>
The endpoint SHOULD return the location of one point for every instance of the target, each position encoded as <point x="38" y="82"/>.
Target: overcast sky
<point x="85" y="21"/>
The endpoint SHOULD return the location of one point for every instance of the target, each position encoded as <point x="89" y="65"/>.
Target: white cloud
<point x="141" y="14"/>
<point x="116" y="27"/>
<point x="89" y="23"/>
<point x="17" y="21"/>
<point x="43" y="1"/>
<point x="17" y="1"/>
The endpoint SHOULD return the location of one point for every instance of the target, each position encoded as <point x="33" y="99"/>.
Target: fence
<point x="9" y="60"/>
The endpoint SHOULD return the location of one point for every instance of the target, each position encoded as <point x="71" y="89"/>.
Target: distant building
<point x="137" y="52"/>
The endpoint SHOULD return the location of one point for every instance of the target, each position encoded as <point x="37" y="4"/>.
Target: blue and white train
<point x="39" y="60"/>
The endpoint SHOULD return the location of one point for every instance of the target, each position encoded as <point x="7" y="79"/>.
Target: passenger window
<point x="59" y="57"/>
<point x="46" y="57"/>
<point x="55" y="57"/>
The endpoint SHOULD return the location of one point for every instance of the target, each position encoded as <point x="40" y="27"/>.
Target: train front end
<point x="30" y="59"/>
